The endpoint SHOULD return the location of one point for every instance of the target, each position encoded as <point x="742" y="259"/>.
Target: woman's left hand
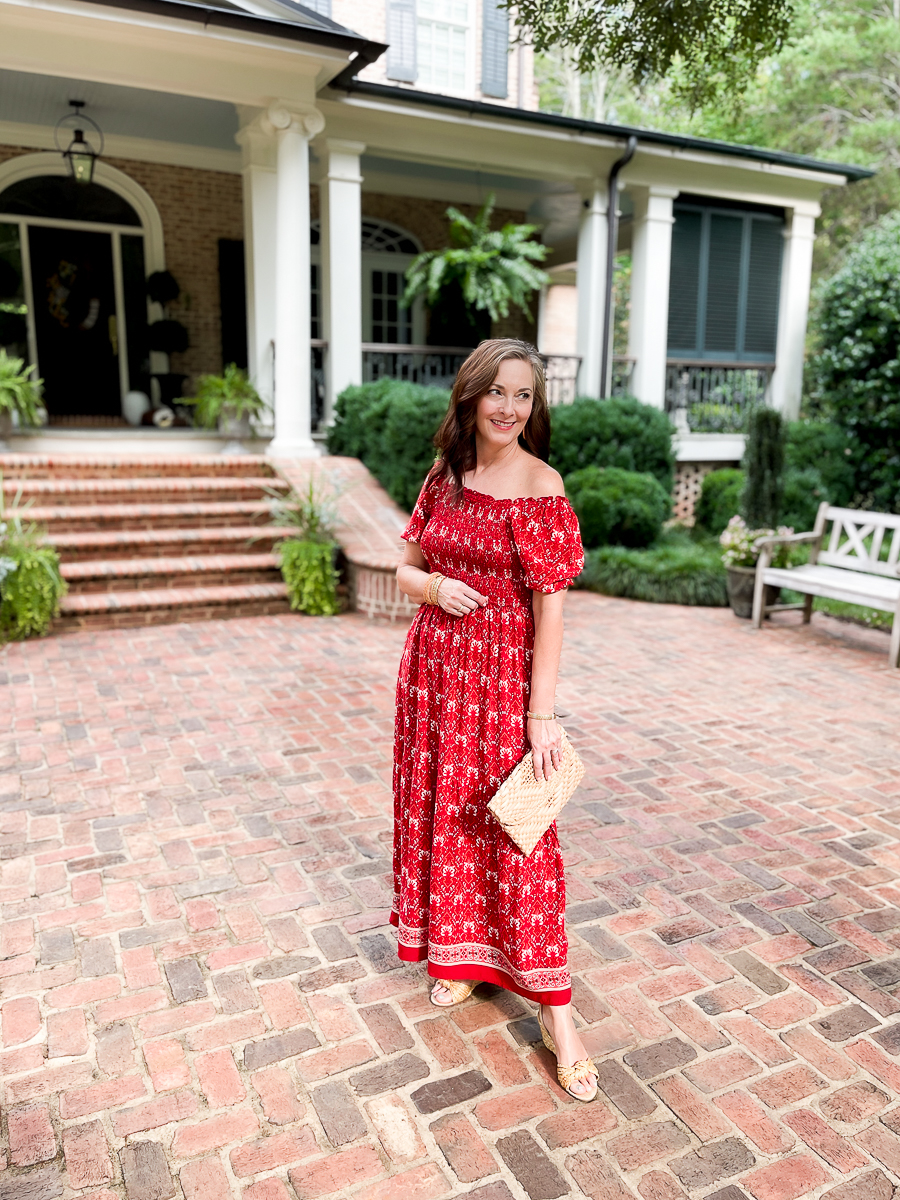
<point x="545" y="748"/>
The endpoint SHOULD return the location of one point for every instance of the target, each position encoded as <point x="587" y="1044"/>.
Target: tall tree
<point x="712" y="46"/>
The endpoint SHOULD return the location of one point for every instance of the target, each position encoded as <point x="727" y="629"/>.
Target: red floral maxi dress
<point x="465" y="897"/>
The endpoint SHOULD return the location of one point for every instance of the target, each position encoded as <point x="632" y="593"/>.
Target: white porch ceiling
<point x="29" y="99"/>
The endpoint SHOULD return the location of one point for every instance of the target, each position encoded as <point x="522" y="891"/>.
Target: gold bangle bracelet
<point x="532" y="716"/>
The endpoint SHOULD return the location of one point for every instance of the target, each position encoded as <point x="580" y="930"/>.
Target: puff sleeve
<point x="423" y="510"/>
<point x="548" y="542"/>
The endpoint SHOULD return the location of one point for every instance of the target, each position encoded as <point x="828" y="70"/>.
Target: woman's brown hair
<point x="455" y="440"/>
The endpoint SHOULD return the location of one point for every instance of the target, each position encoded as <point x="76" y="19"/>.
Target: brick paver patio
<point x="200" y="996"/>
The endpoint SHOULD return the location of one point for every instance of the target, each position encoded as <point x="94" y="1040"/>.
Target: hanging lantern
<point x="80" y="155"/>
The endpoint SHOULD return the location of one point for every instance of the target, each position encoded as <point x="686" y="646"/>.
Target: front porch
<point x="287" y="207"/>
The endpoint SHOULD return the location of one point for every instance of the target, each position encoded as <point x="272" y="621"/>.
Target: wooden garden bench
<point x="851" y="568"/>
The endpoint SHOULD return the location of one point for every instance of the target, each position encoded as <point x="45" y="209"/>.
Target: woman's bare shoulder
<point x="543" y="481"/>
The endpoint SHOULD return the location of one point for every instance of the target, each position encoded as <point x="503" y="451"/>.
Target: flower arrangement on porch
<point x="31" y="585"/>
<point x="489" y="269"/>
<point x="228" y="402"/>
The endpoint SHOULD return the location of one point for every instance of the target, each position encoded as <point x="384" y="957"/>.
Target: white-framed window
<point x="387" y="251"/>
<point x="442" y="44"/>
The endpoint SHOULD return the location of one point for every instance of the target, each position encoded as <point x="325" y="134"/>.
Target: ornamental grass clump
<point x="31" y="585"/>
<point x="307" y="556"/>
<point x="675" y="570"/>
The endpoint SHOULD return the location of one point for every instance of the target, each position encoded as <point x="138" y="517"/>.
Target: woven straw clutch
<point x="527" y="807"/>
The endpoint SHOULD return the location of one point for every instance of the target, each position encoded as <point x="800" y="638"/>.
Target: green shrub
<point x="830" y="450"/>
<point x="764" y="465"/>
<point x="617" y="507"/>
<point x="804" y="491"/>
<point x="308" y="570"/>
<point x="855" y="371"/>
<point x="30" y="591"/>
<point x="620" y="432"/>
<point x="720" y="499"/>
<point x="675" y="570"/>
<point x="390" y="426"/>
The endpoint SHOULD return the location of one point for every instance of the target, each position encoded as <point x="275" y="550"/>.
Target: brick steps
<point x="162" y="606"/>
<point x="78" y="492"/>
<point x="202" y="570"/>
<point x="113" y="544"/>
<point x="72" y="517"/>
<point x="151" y="541"/>
<point x="64" y="466"/>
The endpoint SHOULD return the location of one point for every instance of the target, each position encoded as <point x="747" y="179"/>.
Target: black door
<point x="75" y="322"/>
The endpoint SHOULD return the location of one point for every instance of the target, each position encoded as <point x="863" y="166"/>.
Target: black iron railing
<point x="435" y="366"/>
<point x="714" y="397"/>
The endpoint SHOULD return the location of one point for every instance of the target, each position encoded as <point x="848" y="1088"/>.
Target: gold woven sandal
<point x="569" y="1075"/>
<point x="458" y="989"/>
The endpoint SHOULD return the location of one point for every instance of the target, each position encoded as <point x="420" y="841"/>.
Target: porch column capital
<point x="304" y="119"/>
<point x="343" y="160"/>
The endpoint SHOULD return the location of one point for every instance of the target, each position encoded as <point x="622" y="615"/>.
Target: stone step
<point x="66" y="466"/>
<point x="142" y="574"/>
<point x="192" y="488"/>
<point x="105" y="544"/>
<point x="64" y="518"/>
<point x="167" y="606"/>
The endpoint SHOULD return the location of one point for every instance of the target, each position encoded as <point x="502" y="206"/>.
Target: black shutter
<point x="684" y="283"/>
<point x="763" y="285"/>
<point x="726" y="235"/>
<point x="494" y="50"/>
<point x="233" y="302"/>
<point x="401" y="36"/>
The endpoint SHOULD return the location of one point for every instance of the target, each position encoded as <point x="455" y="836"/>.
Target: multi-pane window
<point x="725" y="280"/>
<point x="390" y="322"/>
<point x="443" y="45"/>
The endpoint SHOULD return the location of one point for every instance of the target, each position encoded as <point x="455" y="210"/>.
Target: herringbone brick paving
<point x="199" y="995"/>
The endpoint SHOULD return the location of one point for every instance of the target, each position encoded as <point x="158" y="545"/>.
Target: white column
<point x="651" y="253"/>
<point x="793" y="306"/>
<point x="592" y="236"/>
<point x="293" y="407"/>
<point x="341" y="214"/>
<point x="257" y="143"/>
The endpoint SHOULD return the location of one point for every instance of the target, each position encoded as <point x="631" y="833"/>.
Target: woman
<point x="491" y="548"/>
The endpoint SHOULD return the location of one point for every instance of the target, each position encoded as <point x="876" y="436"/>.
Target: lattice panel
<point x="689" y="478"/>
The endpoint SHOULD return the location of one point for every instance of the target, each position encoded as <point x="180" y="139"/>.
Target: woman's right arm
<point x="454" y="596"/>
<point x="412" y="574"/>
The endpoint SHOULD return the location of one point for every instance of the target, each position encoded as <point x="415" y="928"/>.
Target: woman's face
<point x="503" y="411"/>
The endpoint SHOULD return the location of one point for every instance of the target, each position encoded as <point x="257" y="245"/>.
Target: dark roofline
<point x="207" y="15"/>
<point x="621" y="132"/>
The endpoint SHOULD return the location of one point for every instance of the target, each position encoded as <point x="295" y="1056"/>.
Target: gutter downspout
<point x="612" y="228"/>
<point x="362" y="59"/>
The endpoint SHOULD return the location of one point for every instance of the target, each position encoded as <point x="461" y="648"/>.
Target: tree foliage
<point x="707" y="47"/>
<point x="855" y="373"/>
<point x="494" y="267"/>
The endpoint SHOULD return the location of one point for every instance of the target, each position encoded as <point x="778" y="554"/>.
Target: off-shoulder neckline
<point x="509" y="499"/>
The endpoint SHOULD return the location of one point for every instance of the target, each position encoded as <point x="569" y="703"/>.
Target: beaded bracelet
<point x="533" y="716"/>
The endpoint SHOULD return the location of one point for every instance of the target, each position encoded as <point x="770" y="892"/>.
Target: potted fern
<point x="490" y="268"/>
<point x="228" y="401"/>
<point x="308" y="554"/>
<point x="20" y="396"/>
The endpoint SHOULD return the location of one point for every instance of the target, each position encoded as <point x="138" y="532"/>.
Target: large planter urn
<point x="236" y="429"/>
<point x="6" y="428"/>
<point x="740" y="582"/>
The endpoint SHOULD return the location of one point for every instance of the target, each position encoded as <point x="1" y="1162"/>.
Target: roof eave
<point x="851" y="171"/>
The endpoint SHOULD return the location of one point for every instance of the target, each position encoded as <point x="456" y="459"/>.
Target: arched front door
<point x="73" y="294"/>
